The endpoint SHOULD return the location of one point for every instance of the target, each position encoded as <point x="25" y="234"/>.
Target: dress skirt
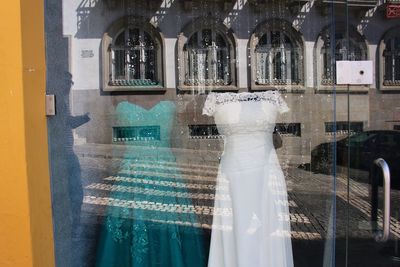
<point x="252" y="228"/>
<point x="149" y="221"/>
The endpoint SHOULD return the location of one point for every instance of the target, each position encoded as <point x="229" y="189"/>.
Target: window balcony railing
<point x="114" y="4"/>
<point x="136" y="133"/>
<point x="352" y="3"/>
<point x="289" y="129"/>
<point x="391" y="83"/>
<point x="294" y="5"/>
<point x="355" y="6"/>
<point x="204" y="131"/>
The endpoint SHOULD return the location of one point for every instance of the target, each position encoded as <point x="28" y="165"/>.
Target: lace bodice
<point x="241" y="113"/>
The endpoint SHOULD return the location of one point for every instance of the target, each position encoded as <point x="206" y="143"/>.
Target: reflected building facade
<point x="179" y="50"/>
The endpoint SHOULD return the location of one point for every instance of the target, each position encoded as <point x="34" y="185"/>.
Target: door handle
<point x="381" y="236"/>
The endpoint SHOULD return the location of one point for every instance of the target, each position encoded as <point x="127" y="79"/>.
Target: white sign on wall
<point x="354" y="72"/>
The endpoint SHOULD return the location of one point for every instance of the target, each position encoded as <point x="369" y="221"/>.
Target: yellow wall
<point x="25" y="214"/>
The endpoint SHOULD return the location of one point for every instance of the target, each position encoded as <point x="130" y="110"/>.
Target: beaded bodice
<point x="153" y="126"/>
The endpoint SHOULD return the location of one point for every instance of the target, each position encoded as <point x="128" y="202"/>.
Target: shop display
<point x="149" y="219"/>
<point x="253" y="227"/>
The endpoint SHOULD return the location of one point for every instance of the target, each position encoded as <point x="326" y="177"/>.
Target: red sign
<point x="393" y="11"/>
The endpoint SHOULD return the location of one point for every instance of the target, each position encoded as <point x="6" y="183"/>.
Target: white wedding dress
<point x="251" y="225"/>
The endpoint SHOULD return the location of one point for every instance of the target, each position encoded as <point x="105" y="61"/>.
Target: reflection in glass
<point x="353" y="48"/>
<point x="207" y="59"/>
<point x="392" y="61"/>
<point x="133" y="59"/>
<point x="277" y="59"/>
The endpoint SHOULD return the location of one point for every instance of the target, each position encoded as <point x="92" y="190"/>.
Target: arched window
<point x="352" y="49"/>
<point x="276" y="55"/>
<point x="206" y="57"/>
<point x="132" y="55"/>
<point x="390" y="60"/>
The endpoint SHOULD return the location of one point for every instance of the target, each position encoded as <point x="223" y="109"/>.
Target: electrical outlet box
<point x="50" y="105"/>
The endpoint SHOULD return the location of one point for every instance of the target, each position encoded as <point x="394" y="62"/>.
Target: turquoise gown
<point x="150" y="218"/>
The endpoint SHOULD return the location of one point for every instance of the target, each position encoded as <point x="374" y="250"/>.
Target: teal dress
<point x="150" y="218"/>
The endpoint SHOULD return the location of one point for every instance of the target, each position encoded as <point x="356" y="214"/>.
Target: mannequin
<point x="140" y="227"/>
<point x="252" y="228"/>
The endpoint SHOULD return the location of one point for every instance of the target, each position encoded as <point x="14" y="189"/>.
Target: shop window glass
<point x="134" y="59"/>
<point x="289" y="129"/>
<point x="391" y="58"/>
<point x="343" y="127"/>
<point x="352" y="49"/>
<point x="206" y="131"/>
<point x="132" y="56"/>
<point x="277" y="60"/>
<point x="207" y="59"/>
<point x="276" y="55"/>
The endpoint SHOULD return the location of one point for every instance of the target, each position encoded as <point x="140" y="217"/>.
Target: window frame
<point x="118" y="27"/>
<point x="285" y="28"/>
<point x="216" y="27"/>
<point x="319" y="67"/>
<point x="388" y="35"/>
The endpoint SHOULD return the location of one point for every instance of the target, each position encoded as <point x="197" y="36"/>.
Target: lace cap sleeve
<point x="209" y="105"/>
<point x="282" y="106"/>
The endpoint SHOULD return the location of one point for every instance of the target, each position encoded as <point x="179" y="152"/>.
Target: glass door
<point x="370" y="146"/>
<point x="366" y="147"/>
